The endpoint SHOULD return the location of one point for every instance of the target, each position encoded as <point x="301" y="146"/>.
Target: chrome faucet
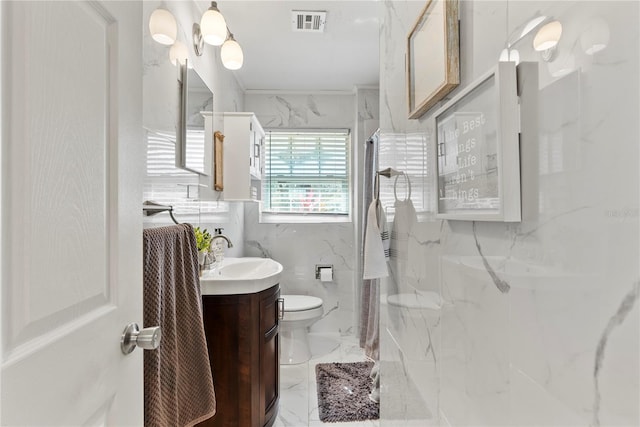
<point x="222" y="236"/>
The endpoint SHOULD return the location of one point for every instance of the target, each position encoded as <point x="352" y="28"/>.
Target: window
<point x="306" y="173"/>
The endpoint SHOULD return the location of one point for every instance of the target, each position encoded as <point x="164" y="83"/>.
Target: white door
<point x="71" y="173"/>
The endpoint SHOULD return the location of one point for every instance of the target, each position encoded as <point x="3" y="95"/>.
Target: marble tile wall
<point x="537" y="322"/>
<point x="299" y="246"/>
<point x="160" y="113"/>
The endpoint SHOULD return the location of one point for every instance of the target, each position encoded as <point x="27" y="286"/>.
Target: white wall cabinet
<point x="206" y="181"/>
<point x="243" y="150"/>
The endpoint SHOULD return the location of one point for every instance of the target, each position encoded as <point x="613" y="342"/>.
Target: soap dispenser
<point x="218" y="249"/>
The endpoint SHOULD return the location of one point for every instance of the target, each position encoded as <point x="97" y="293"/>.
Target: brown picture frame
<point x="433" y="56"/>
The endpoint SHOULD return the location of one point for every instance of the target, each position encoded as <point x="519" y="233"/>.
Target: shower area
<point x="560" y="345"/>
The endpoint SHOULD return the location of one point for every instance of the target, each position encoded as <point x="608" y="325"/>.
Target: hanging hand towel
<point x="403" y="222"/>
<point x="384" y="232"/>
<point x="178" y="387"/>
<point x="375" y="255"/>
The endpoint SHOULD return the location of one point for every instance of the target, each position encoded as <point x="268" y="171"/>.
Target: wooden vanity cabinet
<point x="243" y="340"/>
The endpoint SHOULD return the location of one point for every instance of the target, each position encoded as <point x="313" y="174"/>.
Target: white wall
<point x="161" y="103"/>
<point x="561" y="346"/>
<point x="299" y="247"/>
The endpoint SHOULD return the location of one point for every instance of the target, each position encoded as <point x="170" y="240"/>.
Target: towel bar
<point x="388" y="172"/>
<point x="150" y="208"/>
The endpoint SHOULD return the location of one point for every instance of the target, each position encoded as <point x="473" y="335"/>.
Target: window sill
<point x="268" y="218"/>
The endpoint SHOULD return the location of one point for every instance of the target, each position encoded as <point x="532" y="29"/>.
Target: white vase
<point x="201" y="257"/>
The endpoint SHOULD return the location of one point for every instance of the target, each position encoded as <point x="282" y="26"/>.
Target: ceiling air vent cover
<point x="310" y="21"/>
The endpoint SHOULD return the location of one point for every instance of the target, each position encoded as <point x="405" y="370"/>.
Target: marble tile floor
<point x="298" y="397"/>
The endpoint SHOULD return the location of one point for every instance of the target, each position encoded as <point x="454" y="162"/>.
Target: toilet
<point x="300" y="312"/>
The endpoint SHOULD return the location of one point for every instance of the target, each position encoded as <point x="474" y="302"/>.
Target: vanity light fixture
<point x="532" y="25"/>
<point x="521" y="32"/>
<point x="163" y="27"/>
<point x="178" y="53"/>
<point x="213" y="30"/>
<point x="213" y="26"/>
<point x="547" y="39"/>
<point x="198" y="41"/>
<point x="231" y="54"/>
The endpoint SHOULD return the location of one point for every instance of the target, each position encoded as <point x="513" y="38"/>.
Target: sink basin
<point x="241" y="276"/>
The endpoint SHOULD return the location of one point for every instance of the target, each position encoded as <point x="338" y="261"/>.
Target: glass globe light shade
<point x="178" y="53"/>
<point x="231" y="54"/>
<point x="213" y="27"/>
<point x="163" y="27"/>
<point x="548" y="36"/>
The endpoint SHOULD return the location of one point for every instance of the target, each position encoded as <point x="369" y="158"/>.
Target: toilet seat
<point x="301" y="307"/>
<point x="300" y="302"/>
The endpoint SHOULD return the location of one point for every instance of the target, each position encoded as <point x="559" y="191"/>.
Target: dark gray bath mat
<point x="343" y="392"/>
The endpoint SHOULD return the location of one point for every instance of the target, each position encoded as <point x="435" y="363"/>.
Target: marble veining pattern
<point x="323" y="244"/>
<point x="302" y="111"/>
<point x="618" y="318"/>
<point x="500" y="284"/>
<point x="300" y="246"/>
<point x="558" y="344"/>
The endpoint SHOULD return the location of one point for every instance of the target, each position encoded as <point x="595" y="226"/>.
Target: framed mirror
<point x="196" y="106"/>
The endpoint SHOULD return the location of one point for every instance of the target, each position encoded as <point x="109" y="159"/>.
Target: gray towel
<point x="178" y="386"/>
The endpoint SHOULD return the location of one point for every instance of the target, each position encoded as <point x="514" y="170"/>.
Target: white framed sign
<point x="478" y="150"/>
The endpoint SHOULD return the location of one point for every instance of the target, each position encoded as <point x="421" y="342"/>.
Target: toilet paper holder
<point x="319" y="267"/>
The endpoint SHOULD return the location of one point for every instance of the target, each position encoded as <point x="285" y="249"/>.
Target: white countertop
<point x="245" y="275"/>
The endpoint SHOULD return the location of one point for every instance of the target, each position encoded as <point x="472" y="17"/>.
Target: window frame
<point x="269" y="217"/>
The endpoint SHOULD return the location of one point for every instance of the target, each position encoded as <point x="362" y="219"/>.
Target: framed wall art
<point x="478" y="150"/>
<point x="432" y="56"/>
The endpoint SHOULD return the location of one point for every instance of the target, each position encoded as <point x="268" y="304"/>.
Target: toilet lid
<point x="300" y="302"/>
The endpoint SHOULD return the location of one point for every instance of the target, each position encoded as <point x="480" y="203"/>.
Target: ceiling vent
<point x="308" y="21"/>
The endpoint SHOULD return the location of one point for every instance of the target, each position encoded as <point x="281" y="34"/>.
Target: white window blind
<point x="168" y="185"/>
<point x="306" y="173"/>
<point x="406" y="152"/>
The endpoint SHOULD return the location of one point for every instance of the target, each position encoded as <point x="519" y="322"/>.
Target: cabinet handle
<point x="280" y="308"/>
